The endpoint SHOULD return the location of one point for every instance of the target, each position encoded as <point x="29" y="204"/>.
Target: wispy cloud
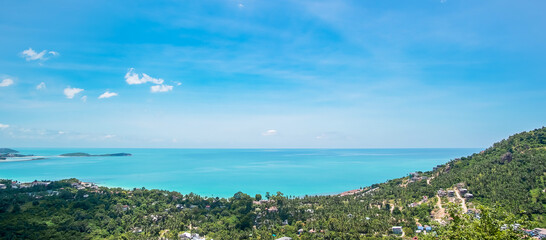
<point x="131" y="77"/>
<point x="40" y="86"/>
<point x="107" y="94"/>
<point x="31" y="55"/>
<point x="161" y="88"/>
<point x="270" y="132"/>
<point x="84" y="99"/>
<point x="3" y="126"/>
<point x="71" y="92"/>
<point x="6" y="82"/>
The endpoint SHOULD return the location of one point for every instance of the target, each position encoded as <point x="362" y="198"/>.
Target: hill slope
<point x="510" y="176"/>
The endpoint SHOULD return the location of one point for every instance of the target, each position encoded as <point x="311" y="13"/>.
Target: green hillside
<point x="506" y="182"/>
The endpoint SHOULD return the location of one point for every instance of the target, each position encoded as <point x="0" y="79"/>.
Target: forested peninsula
<point x="498" y="193"/>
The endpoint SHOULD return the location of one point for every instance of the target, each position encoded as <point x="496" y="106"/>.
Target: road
<point x="463" y="201"/>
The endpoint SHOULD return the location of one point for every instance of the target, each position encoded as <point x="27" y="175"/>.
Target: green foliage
<point x="510" y="176"/>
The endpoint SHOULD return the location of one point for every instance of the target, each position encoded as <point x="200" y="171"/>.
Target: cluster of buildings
<point x="415" y="204"/>
<point x="84" y="185"/>
<point x="190" y="236"/>
<point x="16" y="185"/>
<point x="423" y="229"/>
<point x="414" y="177"/>
<point x="538" y="233"/>
<point x="451" y="193"/>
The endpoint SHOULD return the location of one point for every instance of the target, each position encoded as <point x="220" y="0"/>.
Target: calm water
<point x="223" y="172"/>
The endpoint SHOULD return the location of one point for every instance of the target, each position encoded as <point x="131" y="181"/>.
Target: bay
<point x="223" y="172"/>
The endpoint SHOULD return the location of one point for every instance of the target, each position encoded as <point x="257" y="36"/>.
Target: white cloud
<point x="31" y="55"/>
<point x="71" y="92"/>
<point x="109" y="136"/>
<point x="147" y="78"/>
<point x="2" y="126"/>
<point x="177" y="83"/>
<point x="108" y="94"/>
<point x="42" y="85"/>
<point x="6" y="82"/>
<point x="161" y="88"/>
<point x="132" y="78"/>
<point x="270" y="132"/>
<point x="241" y="5"/>
<point x="84" y="99"/>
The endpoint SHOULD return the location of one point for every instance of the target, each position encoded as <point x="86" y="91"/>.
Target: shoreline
<point x="336" y="193"/>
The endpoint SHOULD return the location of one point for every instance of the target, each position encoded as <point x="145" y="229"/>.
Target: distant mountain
<point x="7" y="150"/>
<point x="81" y="154"/>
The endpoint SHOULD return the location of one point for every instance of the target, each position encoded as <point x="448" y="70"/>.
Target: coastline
<point x="223" y="173"/>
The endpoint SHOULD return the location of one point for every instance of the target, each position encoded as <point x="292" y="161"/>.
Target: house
<point x="2" y="186"/>
<point x="179" y="206"/>
<point x="441" y="193"/>
<point x="397" y="230"/>
<point x="273" y="209"/>
<point x="425" y="198"/>
<point x="190" y="236"/>
<point x="300" y="231"/>
<point x="284" y="238"/>
<point x="450" y="193"/>
<point x="468" y="195"/>
<point x="207" y="207"/>
<point x="419" y="227"/>
<point x="428" y="228"/>
<point x="36" y="183"/>
<point x="463" y="191"/>
<point x="285" y="222"/>
<point x="125" y="207"/>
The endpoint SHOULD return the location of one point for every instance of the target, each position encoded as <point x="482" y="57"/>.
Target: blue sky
<point x="270" y="74"/>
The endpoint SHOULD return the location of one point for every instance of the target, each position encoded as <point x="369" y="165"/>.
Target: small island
<point x="6" y="153"/>
<point x="9" y="153"/>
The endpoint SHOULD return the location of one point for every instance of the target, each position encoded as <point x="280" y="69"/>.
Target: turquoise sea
<point x="223" y="172"/>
